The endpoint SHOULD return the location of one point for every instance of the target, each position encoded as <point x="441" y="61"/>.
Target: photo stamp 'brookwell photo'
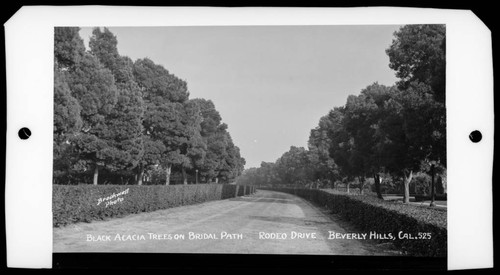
<point x="325" y="140"/>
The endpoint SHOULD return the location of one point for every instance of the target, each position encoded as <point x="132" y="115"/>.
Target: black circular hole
<point x="24" y="133"/>
<point x="475" y="136"/>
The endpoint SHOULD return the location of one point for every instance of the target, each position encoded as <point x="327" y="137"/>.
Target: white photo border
<point x="29" y="59"/>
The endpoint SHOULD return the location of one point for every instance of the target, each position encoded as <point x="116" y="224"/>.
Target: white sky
<point x="271" y="84"/>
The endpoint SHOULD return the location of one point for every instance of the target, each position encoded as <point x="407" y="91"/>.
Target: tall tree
<point x="319" y="147"/>
<point x="342" y="145"/>
<point x="157" y="84"/>
<point x="232" y="164"/>
<point x="151" y="158"/>
<point x="124" y="122"/>
<point x="418" y="54"/>
<point x="67" y="123"/>
<point x="357" y="125"/>
<point x="210" y="127"/>
<point x="164" y="123"/>
<point x="164" y="120"/>
<point x="127" y="117"/>
<point x="363" y="114"/>
<point x="222" y="157"/>
<point x="194" y="149"/>
<point x="268" y="174"/>
<point x="408" y="132"/>
<point x="295" y="167"/>
<point x="94" y="88"/>
<point x="68" y="47"/>
<point x="103" y="44"/>
<point x="67" y="110"/>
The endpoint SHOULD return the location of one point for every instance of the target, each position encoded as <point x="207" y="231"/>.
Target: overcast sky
<point x="271" y="84"/>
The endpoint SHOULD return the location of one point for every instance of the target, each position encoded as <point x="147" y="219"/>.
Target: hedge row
<point x="85" y="203"/>
<point x="371" y="214"/>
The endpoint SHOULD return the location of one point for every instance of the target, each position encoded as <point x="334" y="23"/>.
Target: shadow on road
<point x="288" y="220"/>
<point x="262" y="199"/>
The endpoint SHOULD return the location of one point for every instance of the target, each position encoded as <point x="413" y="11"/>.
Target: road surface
<point x="266" y="222"/>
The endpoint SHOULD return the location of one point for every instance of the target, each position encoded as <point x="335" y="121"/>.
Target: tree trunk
<point x="376" y="179"/>
<point x="168" y="171"/>
<point x="96" y="174"/>
<point x="407" y="180"/>
<point x="361" y="184"/>
<point x="439" y="185"/>
<point x="140" y="176"/>
<point x="433" y="187"/>
<point x="184" y="176"/>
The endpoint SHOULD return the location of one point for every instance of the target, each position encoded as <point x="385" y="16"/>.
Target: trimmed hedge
<point x="85" y="203"/>
<point x="371" y="214"/>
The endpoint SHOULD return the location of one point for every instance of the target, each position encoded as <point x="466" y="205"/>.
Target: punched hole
<point x="24" y="133"/>
<point x="475" y="136"/>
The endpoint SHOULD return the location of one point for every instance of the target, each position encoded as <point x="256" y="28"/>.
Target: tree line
<point x="384" y="134"/>
<point x="121" y="121"/>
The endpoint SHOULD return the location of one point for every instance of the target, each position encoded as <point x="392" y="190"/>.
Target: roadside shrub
<point x="228" y="191"/>
<point x="85" y="203"/>
<point x="421" y="183"/>
<point x="372" y="214"/>
<point x="390" y="184"/>
<point x="241" y="190"/>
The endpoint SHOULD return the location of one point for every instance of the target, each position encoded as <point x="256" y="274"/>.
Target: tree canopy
<point x="418" y="53"/>
<point x="130" y="119"/>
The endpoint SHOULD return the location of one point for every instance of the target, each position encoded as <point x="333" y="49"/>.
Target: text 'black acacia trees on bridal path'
<point x="392" y="138"/>
<point x="119" y="121"/>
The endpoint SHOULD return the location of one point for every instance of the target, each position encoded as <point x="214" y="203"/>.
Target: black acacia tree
<point x="418" y="55"/>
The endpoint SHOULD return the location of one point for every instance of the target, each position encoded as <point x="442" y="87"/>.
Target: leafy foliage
<point x="68" y="47"/>
<point x="123" y="119"/>
<point x="418" y="53"/>
<point x="67" y="110"/>
<point x="384" y="132"/>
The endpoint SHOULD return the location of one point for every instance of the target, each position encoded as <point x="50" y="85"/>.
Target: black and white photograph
<point x="143" y="137"/>
<point x="325" y="140"/>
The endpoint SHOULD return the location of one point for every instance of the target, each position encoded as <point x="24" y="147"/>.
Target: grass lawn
<point x="442" y="204"/>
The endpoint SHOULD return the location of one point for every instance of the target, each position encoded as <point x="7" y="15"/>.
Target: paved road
<point x="250" y="224"/>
